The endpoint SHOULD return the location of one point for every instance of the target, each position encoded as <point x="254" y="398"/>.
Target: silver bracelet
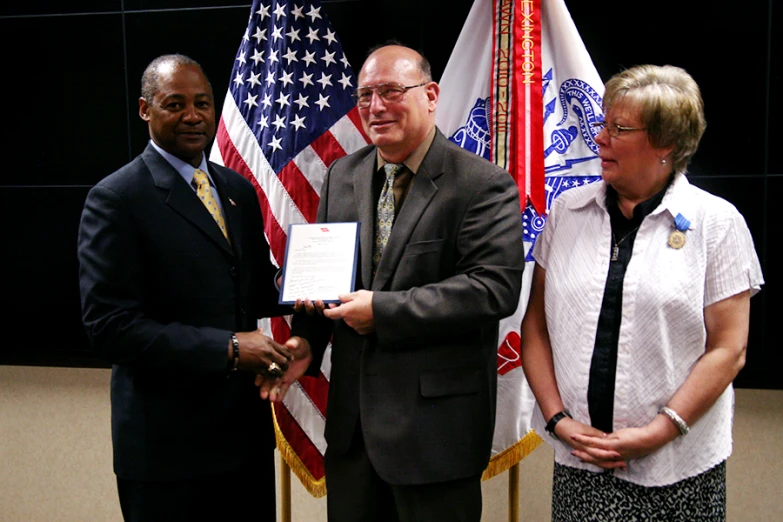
<point x="676" y="419"/>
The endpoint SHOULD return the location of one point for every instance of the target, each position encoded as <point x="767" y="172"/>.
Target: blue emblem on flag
<point x="578" y="101"/>
<point x="474" y="135"/>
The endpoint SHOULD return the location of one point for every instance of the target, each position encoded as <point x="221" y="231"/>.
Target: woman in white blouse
<point x="638" y="317"/>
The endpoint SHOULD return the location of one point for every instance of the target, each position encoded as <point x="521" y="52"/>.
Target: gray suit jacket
<point x="424" y="384"/>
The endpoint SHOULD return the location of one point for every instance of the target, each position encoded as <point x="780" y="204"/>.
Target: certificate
<point x="320" y="262"/>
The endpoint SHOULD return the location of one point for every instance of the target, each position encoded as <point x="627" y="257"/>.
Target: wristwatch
<point x="557" y="417"/>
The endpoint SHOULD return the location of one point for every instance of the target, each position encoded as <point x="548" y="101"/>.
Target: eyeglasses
<point x="613" y="129"/>
<point x="389" y="92"/>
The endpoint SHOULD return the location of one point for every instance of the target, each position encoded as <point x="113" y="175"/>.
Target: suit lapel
<point x="231" y="211"/>
<point x="421" y="192"/>
<point x="423" y="189"/>
<point x="181" y="198"/>
<point x="365" y="203"/>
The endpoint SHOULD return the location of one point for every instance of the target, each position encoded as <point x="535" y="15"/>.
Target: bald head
<point x="411" y="56"/>
<point x="397" y="126"/>
<point x="163" y="66"/>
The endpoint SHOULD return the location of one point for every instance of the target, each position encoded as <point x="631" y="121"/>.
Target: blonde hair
<point x="670" y="107"/>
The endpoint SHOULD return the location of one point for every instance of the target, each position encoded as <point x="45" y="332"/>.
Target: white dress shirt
<point x="662" y="332"/>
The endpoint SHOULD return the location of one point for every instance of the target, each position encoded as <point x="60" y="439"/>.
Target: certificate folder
<point x="320" y="262"/>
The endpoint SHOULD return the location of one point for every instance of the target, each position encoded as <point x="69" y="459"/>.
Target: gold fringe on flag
<point x="512" y="455"/>
<point x="316" y="488"/>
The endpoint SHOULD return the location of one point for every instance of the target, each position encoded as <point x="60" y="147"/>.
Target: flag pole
<point x="513" y="493"/>
<point x="285" y="490"/>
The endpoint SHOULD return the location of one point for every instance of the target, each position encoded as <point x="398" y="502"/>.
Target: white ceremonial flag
<point x="522" y="66"/>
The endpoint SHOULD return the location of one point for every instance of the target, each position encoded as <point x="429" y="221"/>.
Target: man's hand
<point x="355" y="310"/>
<point x="275" y="388"/>
<point x="309" y="307"/>
<point x="257" y="352"/>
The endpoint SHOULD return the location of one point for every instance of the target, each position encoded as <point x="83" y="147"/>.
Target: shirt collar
<point x="413" y="161"/>
<point x="597" y="196"/>
<point x="186" y="170"/>
<point x="644" y="208"/>
<point x="675" y="201"/>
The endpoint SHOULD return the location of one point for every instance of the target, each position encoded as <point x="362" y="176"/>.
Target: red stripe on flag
<point x="298" y="439"/>
<point x="281" y="332"/>
<point x="233" y="160"/>
<point x="327" y="148"/>
<point x="353" y="114"/>
<point x="529" y="105"/>
<point x="300" y="190"/>
<point x="317" y="389"/>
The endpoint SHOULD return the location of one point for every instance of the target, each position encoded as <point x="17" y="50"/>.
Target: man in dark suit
<point x="171" y="293"/>
<point x="412" y="394"/>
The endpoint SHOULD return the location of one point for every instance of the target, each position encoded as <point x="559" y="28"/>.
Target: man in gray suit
<point x="171" y="292"/>
<point x="412" y="394"/>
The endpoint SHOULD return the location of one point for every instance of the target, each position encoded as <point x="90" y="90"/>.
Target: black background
<point x="70" y="84"/>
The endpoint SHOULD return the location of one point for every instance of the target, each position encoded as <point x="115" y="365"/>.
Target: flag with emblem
<point x="528" y="107"/>
<point x="287" y="115"/>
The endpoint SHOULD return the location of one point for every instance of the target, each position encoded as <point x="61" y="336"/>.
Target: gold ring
<point x="275" y="370"/>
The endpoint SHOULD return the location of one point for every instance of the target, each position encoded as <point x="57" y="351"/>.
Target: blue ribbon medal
<point x="677" y="237"/>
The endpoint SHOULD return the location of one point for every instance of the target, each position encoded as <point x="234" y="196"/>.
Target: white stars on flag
<point x="322" y="101"/>
<point x="258" y="56"/>
<point x="259" y="35"/>
<point x="251" y="100"/>
<point x="314" y="13"/>
<point x="295" y="64"/>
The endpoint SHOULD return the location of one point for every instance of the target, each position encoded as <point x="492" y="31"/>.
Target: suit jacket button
<point x="233" y="271"/>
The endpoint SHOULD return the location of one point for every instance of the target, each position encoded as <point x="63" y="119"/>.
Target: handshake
<point x="276" y="365"/>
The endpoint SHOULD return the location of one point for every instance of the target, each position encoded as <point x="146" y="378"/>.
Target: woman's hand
<point x="588" y="444"/>
<point x="607" y="450"/>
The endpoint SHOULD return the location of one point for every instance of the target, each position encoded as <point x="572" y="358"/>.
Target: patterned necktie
<point x="204" y="193"/>
<point x="385" y="215"/>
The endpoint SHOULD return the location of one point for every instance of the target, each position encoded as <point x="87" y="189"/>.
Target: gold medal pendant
<point x="676" y="239"/>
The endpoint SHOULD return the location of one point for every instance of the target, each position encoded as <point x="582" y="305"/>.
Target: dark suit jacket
<point x="161" y="291"/>
<point x="424" y="384"/>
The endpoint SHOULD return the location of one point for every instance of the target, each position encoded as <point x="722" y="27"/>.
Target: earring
<point x="663" y="161"/>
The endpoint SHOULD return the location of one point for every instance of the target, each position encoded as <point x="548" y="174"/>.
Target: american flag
<point x="287" y="116"/>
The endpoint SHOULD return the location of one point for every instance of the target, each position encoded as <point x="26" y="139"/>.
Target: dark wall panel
<point x="771" y="96"/>
<point x="723" y="47"/>
<point x="71" y="85"/>
<point x="766" y="368"/>
<point x="64" y="98"/>
<point x="58" y="7"/>
<point x="41" y="317"/>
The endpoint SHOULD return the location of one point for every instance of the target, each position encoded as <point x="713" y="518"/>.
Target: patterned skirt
<point x="583" y="496"/>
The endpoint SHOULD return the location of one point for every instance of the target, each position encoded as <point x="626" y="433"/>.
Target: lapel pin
<point x="232" y="202"/>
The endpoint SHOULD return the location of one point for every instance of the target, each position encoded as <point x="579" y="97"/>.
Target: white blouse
<point x="662" y="332"/>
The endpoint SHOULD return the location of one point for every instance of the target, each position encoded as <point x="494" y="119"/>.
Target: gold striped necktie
<point x="204" y="193"/>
